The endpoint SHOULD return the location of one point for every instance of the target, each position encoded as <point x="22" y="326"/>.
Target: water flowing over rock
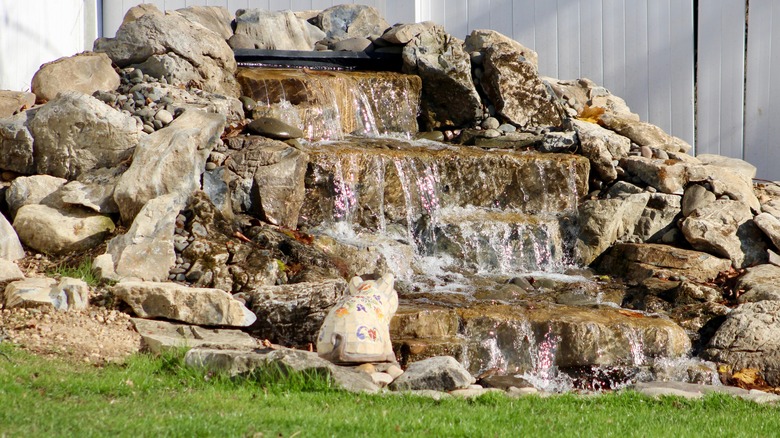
<point x="65" y="294"/>
<point x="169" y="161"/>
<point x="61" y="231"/>
<point x="198" y="54"/>
<point x="277" y="30"/>
<point x="201" y="306"/>
<point x="350" y="21"/>
<point x="16" y="143"/>
<point x="10" y="247"/>
<point x="512" y="84"/>
<point x="86" y="73"/>
<point x="449" y="98"/>
<point x="75" y="133"/>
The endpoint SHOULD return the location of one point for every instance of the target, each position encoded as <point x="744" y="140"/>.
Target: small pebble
<point x="164" y="116"/>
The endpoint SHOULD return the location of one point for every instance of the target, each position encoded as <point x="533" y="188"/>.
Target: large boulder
<point x="86" y="73"/>
<point x="13" y="102"/>
<point x="63" y="294"/>
<point x="35" y="189"/>
<point x="146" y="251"/>
<point x="10" y="246"/>
<point x="76" y="132"/>
<point x="750" y="338"/>
<point x="276" y="30"/>
<point x="449" y="98"/>
<point x="726" y="228"/>
<point x="759" y="283"/>
<point x="481" y="39"/>
<point x="605" y="221"/>
<point x="60" y="231"/>
<point x="215" y="18"/>
<point x="512" y="83"/>
<point x="643" y="133"/>
<point x="351" y="21"/>
<point x="638" y="261"/>
<point x="200" y="306"/>
<point x="169" y="161"/>
<point x="16" y="143"/>
<point x="188" y="52"/>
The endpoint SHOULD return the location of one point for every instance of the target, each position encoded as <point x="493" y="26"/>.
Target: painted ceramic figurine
<point x="357" y="328"/>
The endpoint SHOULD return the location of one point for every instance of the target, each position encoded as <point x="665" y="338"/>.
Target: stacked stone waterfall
<point x="218" y="215"/>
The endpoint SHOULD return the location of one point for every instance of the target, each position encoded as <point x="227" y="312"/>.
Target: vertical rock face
<point x="86" y="73"/>
<point x="10" y="247"/>
<point x="276" y="30"/>
<point x="449" y="98"/>
<point x="16" y="143"/>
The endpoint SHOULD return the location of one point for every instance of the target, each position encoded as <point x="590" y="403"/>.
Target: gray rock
<point x="696" y="196"/>
<point x="215" y="18"/>
<point x="12" y="102"/>
<point x="351" y="21"/>
<point x="169" y="161"/>
<point x="243" y="362"/>
<point x="36" y="189"/>
<point x="61" y="231"/>
<point x="352" y="45"/>
<point x="65" y="294"/>
<point x="623" y="189"/>
<point x="241" y="41"/>
<point x="274" y="128"/>
<point x="442" y="373"/>
<point x="155" y="35"/>
<point x="403" y="33"/>
<point x="182" y="100"/>
<point x="202" y="306"/>
<point x="161" y="336"/>
<point x="146" y="250"/>
<point x="605" y="221"/>
<point x="750" y="338"/>
<point x="666" y="178"/>
<point x="644" y="134"/>
<point x="75" y="133"/>
<point x="10" y="247"/>
<point x="86" y="73"/>
<point x="277" y="30"/>
<point x="561" y="142"/>
<point x="602" y="147"/>
<point x="481" y="39"/>
<point x="759" y="283"/>
<point x="164" y="116"/>
<point x="93" y="190"/>
<point x="292" y="314"/>
<point x="726" y="182"/>
<point x="659" y="216"/>
<point x="16" y="143"/>
<point x="684" y="390"/>
<point x="449" y="98"/>
<point x="770" y="225"/>
<point x="9" y="271"/>
<point x="726" y="228"/>
<point x="473" y="392"/>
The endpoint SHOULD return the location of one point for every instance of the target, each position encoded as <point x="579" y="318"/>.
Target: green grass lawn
<point x="151" y="396"/>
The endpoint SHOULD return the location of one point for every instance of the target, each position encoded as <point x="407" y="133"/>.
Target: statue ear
<point x="354" y="283"/>
<point x="385" y="284"/>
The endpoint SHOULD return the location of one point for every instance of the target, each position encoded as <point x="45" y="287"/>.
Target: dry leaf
<point x="591" y="114"/>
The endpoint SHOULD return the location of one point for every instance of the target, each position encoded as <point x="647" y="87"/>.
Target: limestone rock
<point x="16" y="143"/>
<point x="160" y="336"/>
<point x="512" y="83"/>
<point x="449" y="98"/>
<point x="75" y="133"/>
<point x="659" y="217"/>
<point x="274" y="128"/>
<point x="644" y="134"/>
<point x="665" y="177"/>
<point x="36" y="189"/>
<point x="581" y="93"/>
<point x="770" y="225"/>
<point x="184" y="100"/>
<point x="12" y="102"/>
<point x="605" y="221"/>
<point x="10" y="247"/>
<point x="726" y="228"/>
<point x="750" y="338"/>
<point x="640" y="261"/>
<point x="172" y="34"/>
<point x="726" y="182"/>
<point x="200" y="306"/>
<point x="146" y="251"/>
<point x="277" y="30"/>
<point x="424" y="323"/>
<point x="696" y="196"/>
<point x="292" y="314"/>
<point x="351" y="20"/>
<point x="139" y="11"/>
<point x="602" y="147"/>
<point x="169" y="161"/>
<point x="242" y="362"/>
<point x="65" y="294"/>
<point x="741" y="167"/>
<point x="60" y="231"/>
<point x="215" y="18"/>
<point x="759" y="283"/>
<point x="481" y="39"/>
<point x="85" y="72"/>
<point x="405" y="32"/>
<point x="9" y="271"/>
<point x="442" y="373"/>
<point x="93" y="190"/>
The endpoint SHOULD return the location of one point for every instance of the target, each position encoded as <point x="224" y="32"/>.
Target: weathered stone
<point x="277" y="30"/>
<point x="644" y="134"/>
<point x="146" y="251"/>
<point x="770" y="225"/>
<point x="759" y="283"/>
<point x="749" y="338"/>
<point x="16" y="143"/>
<point x="665" y="177"/>
<point x="605" y="221"/>
<point x="65" y="294"/>
<point x="10" y="247"/>
<point x="36" y="189"/>
<point x="292" y="314"/>
<point x="205" y="51"/>
<point x="85" y="72"/>
<point x="243" y="362"/>
<point x="741" y="167"/>
<point x="359" y="44"/>
<point x="414" y="350"/>
<point x="449" y="98"/>
<point x="75" y="133"/>
<point x="696" y="196"/>
<point x="726" y="182"/>
<point x="350" y="21"/>
<point x="423" y="323"/>
<point x="12" y="102"/>
<point x="160" y="336"/>
<point x="512" y="83"/>
<point x="180" y="303"/>
<point x="268" y="180"/>
<point x="442" y="373"/>
<point x="169" y="161"/>
<point x="726" y="228"/>
<point x="61" y="231"/>
<point x="93" y="190"/>
<point x="602" y="147"/>
<point x="215" y="18"/>
<point x="241" y="41"/>
<point x="9" y="271"/>
<point x="139" y="11"/>
<point x="183" y="100"/>
<point x="274" y="128"/>
<point x="558" y="141"/>
<point x="640" y="261"/>
<point x="659" y="216"/>
<point x="405" y="32"/>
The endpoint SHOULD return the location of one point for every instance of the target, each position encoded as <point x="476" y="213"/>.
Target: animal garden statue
<point x="357" y="328"/>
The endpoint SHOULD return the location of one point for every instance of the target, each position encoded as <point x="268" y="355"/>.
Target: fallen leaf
<point x="591" y="114"/>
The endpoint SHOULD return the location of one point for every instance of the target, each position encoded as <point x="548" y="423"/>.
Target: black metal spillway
<point x="325" y="60"/>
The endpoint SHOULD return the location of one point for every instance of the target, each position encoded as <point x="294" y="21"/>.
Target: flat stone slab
<point x="694" y="391"/>
<point x="159" y="336"/>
